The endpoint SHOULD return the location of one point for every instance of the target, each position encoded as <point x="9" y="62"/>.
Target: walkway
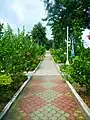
<point x="46" y="97"/>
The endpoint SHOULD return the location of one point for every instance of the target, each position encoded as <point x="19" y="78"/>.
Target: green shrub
<point x="18" y="80"/>
<point x="18" y="53"/>
<point x="58" y="55"/>
<point x="80" y="72"/>
<point x="66" y="69"/>
<point x="5" y="93"/>
<point x="9" y="86"/>
<point x="5" y="80"/>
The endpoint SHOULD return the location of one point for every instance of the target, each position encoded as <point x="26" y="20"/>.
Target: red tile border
<point x="31" y="103"/>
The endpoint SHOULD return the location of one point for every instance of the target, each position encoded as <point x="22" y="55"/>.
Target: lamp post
<point x="67" y="61"/>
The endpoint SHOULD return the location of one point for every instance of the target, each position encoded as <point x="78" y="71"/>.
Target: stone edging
<point x="83" y="105"/>
<point x="80" y="101"/>
<point x="9" y="104"/>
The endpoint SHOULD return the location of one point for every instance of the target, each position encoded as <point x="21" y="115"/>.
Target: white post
<point x="67" y="62"/>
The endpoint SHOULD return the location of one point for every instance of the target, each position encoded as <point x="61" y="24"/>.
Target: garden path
<point x="46" y="97"/>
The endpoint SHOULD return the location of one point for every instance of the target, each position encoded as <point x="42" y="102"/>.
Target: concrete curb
<point x="82" y="104"/>
<point x="80" y="101"/>
<point x="56" y="65"/>
<point x="9" y="104"/>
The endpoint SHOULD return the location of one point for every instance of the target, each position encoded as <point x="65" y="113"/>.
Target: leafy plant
<point x="58" y="55"/>
<point x="18" y="53"/>
<point x="38" y="33"/>
<point x="5" y="80"/>
<point x="79" y="70"/>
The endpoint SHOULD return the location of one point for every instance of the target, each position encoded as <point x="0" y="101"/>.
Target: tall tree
<point x="1" y="28"/>
<point x="38" y="33"/>
<point x="72" y="13"/>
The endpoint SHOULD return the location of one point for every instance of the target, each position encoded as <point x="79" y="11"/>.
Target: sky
<point x="23" y="12"/>
<point x="27" y="12"/>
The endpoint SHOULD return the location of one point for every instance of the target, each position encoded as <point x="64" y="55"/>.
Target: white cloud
<point x="28" y="10"/>
<point x="23" y="12"/>
<point x="18" y="11"/>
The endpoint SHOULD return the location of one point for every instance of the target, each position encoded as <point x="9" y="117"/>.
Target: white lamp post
<point x="67" y="61"/>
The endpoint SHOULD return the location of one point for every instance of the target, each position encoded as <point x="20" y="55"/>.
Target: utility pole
<point x="67" y="61"/>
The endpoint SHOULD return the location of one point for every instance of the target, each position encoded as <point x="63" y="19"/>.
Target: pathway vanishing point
<point x="46" y="97"/>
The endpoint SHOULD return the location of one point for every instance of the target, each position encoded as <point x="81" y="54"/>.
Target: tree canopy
<point x="1" y="28"/>
<point x="72" y="13"/>
<point x="38" y="33"/>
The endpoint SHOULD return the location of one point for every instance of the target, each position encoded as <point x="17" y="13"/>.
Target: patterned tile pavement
<point x="49" y="112"/>
<point x="48" y="85"/>
<point x="54" y="103"/>
<point x="49" y="95"/>
<point x="45" y="98"/>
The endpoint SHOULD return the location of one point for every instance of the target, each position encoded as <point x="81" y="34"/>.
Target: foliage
<point x="5" y="80"/>
<point x="79" y="70"/>
<point x="49" y="44"/>
<point x="38" y="33"/>
<point x="58" y="55"/>
<point x="18" y="53"/>
<point x="18" y="80"/>
<point x="66" y="69"/>
<point x="8" y="90"/>
<point x="41" y="50"/>
<point x="1" y="30"/>
<point x="63" y="13"/>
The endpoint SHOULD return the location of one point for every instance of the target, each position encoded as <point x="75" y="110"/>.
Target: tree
<point x="1" y="28"/>
<point x="18" y="52"/>
<point x="39" y="34"/>
<point x="63" y="13"/>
